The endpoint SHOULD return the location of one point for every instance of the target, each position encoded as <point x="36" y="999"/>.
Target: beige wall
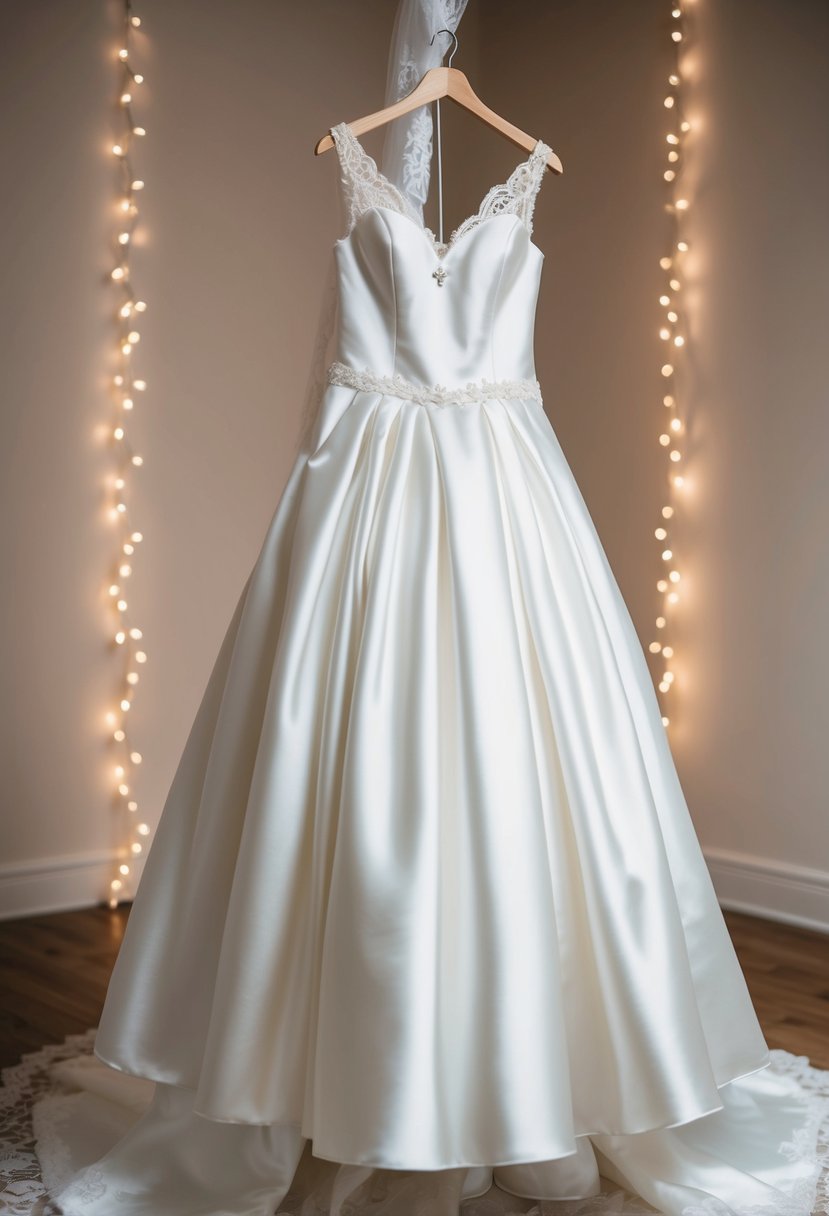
<point x="237" y="219"/>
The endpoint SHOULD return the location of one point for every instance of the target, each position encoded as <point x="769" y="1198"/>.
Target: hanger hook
<point x="452" y="35"/>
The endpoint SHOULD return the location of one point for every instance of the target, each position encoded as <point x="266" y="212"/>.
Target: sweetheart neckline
<point x="427" y="232"/>
<point x="441" y="249"/>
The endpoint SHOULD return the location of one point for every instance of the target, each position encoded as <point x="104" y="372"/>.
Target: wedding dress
<point x="425" y="918"/>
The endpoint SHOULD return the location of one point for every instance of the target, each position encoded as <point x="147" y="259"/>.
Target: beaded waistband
<point x="398" y="386"/>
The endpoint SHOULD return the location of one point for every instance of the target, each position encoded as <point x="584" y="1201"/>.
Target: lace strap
<point x="519" y="192"/>
<point x="362" y="183"/>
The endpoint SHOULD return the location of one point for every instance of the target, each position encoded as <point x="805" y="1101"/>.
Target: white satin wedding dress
<point x="425" y="917"/>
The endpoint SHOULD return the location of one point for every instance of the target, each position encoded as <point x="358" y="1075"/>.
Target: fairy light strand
<point x="126" y="637"/>
<point x="672" y="331"/>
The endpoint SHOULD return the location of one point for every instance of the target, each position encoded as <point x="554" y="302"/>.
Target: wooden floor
<point x="54" y="972"/>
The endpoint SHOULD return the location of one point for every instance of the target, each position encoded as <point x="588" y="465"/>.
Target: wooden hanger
<point x="436" y="83"/>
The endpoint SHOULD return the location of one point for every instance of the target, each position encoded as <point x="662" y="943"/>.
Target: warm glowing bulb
<point x="135" y="633"/>
<point x="138" y="184"/>
<point x="143" y="829"/>
<point x="669" y="175"/>
<point x="125" y="204"/>
<point x="140" y="306"/>
<point x="676" y="425"/>
<point x="118" y="272"/>
<point x="136" y="21"/>
<point x="126" y="98"/>
<point x="135" y="757"/>
<point x="665" y="720"/>
<point x="138" y="131"/>
<point x="125" y="310"/>
<point x="123" y="789"/>
<point x="126" y="348"/>
<point x="132" y="677"/>
<point x="679" y="481"/>
<point x="117" y="150"/>
<point x="679" y="340"/>
<point x="676" y="36"/>
<point x="138" y="78"/>
<point x="125" y="704"/>
<point x="140" y="385"/>
<point x="685" y="126"/>
<point x="675" y="283"/>
<point x="660" y="533"/>
<point x="123" y="238"/>
<point x="660" y="622"/>
<point x="655" y="647"/>
<point x="664" y="333"/>
<point x="674" y="576"/>
<point x="681" y="204"/>
<point x="672" y="139"/>
<point x="669" y="101"/>
<point x="121" y="605"/>
<point x="663" y="687"/>
<point x="667" y="554"/>
<point x="125" y="570"/>
<point x="667" y="400"/>
<point x="123" y="53"/>
<point x="127" y="403"/>
<point x="123" y="869"/>
<point x="118" y="433"/>
<point x="118" y="379"/>
<point x="682" y="246"/>
<point x="673" y="78"/>
<point x="662" y="585"/>
<point x="136" y="847"/>
<point x="664" y="300"/>
<point x="664" y="440"/>
<point x="138" y="460"/>
<point x="134" y="336"/>
<point x="119" y="736"/>
<point x="128" y="548"/>
<point x="120" y="637"/>
<point x="673" y="598"/>
<point x="672" y="316"/>
<point x="119" y="771"/>
<point x="675" y="455"/>
<point x="673" y="156"/>
<point x="132" y="806"/>
<point x="140" y="656"/>
<point x="665" y="263"/>
<point x="137" y="536"/>
<point x="668" y="651"/>
<point x="116" y="884"/>
<point x="667" y="369"/>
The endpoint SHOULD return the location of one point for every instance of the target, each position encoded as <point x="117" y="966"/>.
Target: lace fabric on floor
<point x="61" y="1076"/>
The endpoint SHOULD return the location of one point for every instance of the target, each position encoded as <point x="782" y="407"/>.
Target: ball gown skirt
<point x="425" y="917"/>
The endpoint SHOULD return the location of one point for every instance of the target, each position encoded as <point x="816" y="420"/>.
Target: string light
<point x="671" y="333"/>
<point x="125" y="390"/>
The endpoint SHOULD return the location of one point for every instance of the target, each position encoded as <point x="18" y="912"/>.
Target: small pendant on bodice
<point x="440" y="275"/>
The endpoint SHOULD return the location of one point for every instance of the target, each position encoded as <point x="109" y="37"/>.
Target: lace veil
<point x="406" y="161"/>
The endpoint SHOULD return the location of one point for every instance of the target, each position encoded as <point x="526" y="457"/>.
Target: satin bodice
<point x="431" y="312"/>
<point x="396" y="318"/>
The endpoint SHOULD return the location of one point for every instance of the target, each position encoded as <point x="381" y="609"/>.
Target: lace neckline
<point x="369" y="187"/>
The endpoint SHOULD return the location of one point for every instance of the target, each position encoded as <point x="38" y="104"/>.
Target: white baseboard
<point x="776" y="890"/>
<point x="780" y="891"/>
<point x="58" y="884"/>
